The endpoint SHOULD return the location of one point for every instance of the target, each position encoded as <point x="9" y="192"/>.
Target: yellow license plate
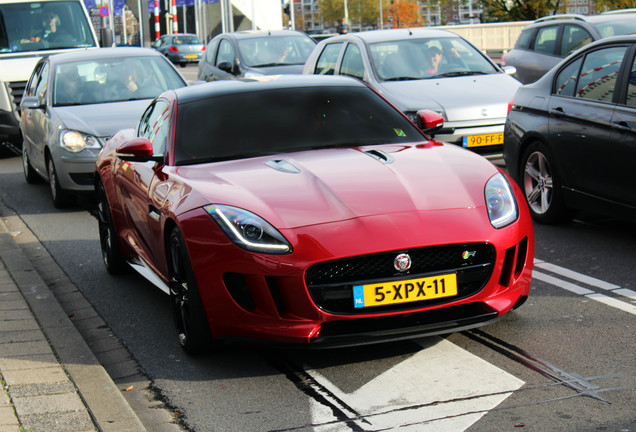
<point x="404" y="291"/>
<point x="191" y="56"/>
<point x="482" y="140"/>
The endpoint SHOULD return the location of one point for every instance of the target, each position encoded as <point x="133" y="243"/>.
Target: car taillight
<point x="510" y="104"/>
<point x="173" y="49"/>
<point x="203" y="49"/>
<point x="503" y="60"/>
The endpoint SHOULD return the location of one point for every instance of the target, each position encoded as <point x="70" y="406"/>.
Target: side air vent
<point x="282" y="166"/>
<point x="380" y="155"/>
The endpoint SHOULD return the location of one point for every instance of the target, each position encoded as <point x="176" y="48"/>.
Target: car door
<point x="352" y="63"/>
<point x="140" y="213"/>
<point x="224" y="63"/>
<point x="328" y="58"/>
<point x="36" y="120"/>
<point x="623" y="135"/>
<point x="580" y="120"/>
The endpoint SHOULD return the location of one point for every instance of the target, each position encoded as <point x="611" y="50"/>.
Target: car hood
<point x="101" y="120"/>
<point x="322" y="186"/>
<point x="475" y="97"/>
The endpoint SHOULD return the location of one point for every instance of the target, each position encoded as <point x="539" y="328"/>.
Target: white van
<point x="29" y="30"/>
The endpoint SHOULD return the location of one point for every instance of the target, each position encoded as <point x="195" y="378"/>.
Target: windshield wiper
<point x="461" y="73"/>
<point x="403" y="78"/>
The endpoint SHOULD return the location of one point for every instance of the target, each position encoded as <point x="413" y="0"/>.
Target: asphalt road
<point x="564" y="361"/>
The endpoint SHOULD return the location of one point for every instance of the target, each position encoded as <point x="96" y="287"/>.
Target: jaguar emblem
<point x="402" y="262"/>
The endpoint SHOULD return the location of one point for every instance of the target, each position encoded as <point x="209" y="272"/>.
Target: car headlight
<point x="500" y="201"/>
<point x="248" y="230"/>
<point x="75" y="142"/>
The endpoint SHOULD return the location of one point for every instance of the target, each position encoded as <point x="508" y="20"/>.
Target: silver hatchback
<point x="76" y="101"/>
<point x="432" y="69"/>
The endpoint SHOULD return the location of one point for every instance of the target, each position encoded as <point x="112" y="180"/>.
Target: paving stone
<point x="42" y="389"/>
<point x="52" y="374"/>
<point x="28" y="361"/>
<point x="8" y="420"/>
<point x="21" y="336"/>
<point x="59" y="422"/>
<point x="11" y="305"/>
<point x="57" y="403"/>
<point x="10" y="295"/>
<point x="24" y="348"/>
<point x="18" y="325"/>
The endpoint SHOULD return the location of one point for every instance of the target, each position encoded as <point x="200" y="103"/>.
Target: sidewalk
<point x="51" y="380"/>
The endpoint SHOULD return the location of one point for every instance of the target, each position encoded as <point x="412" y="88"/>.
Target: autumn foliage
<point x="405" y="13"/>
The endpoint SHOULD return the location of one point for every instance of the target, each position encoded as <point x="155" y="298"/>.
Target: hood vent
<point x="282" y="166"/>
<point x="380" y="155"/>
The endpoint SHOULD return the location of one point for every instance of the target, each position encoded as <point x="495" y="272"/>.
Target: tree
<point x="365" y="12"/>
<point x="603" y="5"/>
<point x="520" y="10"/>
<point x="405" y="13"/>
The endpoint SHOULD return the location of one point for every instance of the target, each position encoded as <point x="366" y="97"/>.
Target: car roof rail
<point x="561" y="16"/>
<point x="619" y="11"/>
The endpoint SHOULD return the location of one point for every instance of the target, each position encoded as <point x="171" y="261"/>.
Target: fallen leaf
<point x="129" y="388"/>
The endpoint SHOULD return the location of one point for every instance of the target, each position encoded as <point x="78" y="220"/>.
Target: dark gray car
<point x="544" y="43"/>
<point x="74" y="102"/>
<point x="255" y="53"/>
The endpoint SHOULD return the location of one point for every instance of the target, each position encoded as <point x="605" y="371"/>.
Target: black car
<point x="255" y="53"/>
<point x="545" y="42"/>
<point x="570" y="138"/>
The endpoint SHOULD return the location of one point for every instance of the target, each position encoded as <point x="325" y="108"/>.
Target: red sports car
<point x="309" y="210"/>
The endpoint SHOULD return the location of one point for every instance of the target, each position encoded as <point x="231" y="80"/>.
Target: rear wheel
<point x="59" y="196"/>
<point x="541" y="185"/>
<point x="111" y="253"/>
<point x="192" y="325"/>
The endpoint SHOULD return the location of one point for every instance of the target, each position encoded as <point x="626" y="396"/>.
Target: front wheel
<point x="192" y="325"/>
<point x="60" y="197"/>
<point x="541" y="185"/>
<point x="111" y="253"/>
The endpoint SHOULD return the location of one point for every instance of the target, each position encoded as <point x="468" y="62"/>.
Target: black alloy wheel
<point x="541" y="185"/>
<point x="59" y="196"/>
<point x="30" y="175"/>
<point x="111" y="253"/>
<point x="192" y="325"/>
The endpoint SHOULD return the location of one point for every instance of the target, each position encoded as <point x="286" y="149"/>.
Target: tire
<point x="60" y="197"/>
<point x="193" y="330"/>
<point x="30" y="175"/>
<point x="541" y="185"/>
<point x="108" y="240"/>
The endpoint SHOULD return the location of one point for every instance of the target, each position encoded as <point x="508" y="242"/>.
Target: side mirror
<point x="225" y="67"/>
<point x="30" y="102"/>
<point x="509" y="70"/>
<point x="429" y="121"/>
<point x="138" y="150"/>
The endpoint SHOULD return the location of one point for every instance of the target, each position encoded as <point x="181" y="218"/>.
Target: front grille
<point x="16" y="91"/>
<point x="331" y="283"/>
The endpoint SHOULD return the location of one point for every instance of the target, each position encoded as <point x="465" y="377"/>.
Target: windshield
<point x="42" y="26"/>
<point x="112" y="80"/>
<point x="620" y="27"/>
<point x="275" y="50"/>
<point x="427" y="58"/>
<point x="186" y="40"/>
<point x="286" y="120"/>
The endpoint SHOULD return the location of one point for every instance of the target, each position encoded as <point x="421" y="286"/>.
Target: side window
<point x="41" y="89"/>
<point x="565" y="82"/>
<point x="326" y="64"/>
<point x="574" y="37"/>
<point x="524" y="39"/>
<point x="545" y="41"/>
<point x="597" y="79"/>
<point x="631" y="86"/>
<point x="226" y="52"/>
<point x="154" y="125"/>
<point x="35" y="79"/>
<point x="210" y="51"/>
<point x="352" y="62"/>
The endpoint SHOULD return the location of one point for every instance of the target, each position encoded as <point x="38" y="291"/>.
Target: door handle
<point x="557" y="112"/>
<point x="622" y="126"/>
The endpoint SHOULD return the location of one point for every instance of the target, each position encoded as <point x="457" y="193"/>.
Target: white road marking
<point x="431" y="391"/>
<point x="590" y="281"/>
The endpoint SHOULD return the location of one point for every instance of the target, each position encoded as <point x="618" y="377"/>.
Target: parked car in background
<point x="181" y="49"/>
<point x="255" y="53"/>
<point x="430" y="69"/>
<point x="544" y="43"/>
<point x="570" y="138"/>
<point x="308" y="210"/>
<point x="76" y="101"/>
